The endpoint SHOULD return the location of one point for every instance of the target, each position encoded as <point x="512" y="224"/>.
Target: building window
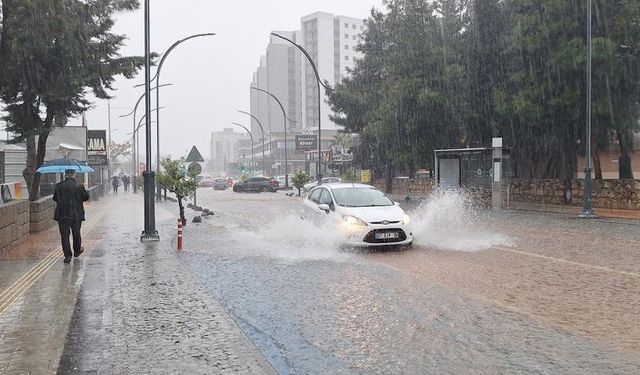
<point x="354" y="26"/>
<point x="346" y="25"/>
<point x="361" y="27"/>
<point x="346" y="58"/>
<point x="354" y="58"/>
<point x="346" y="46"/>
<point x="354" y="48"/>
<point x="354" y="37"/>
<point x="346" y="36"/>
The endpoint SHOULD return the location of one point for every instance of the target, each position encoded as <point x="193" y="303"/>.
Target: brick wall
<point x="14" y="223"/>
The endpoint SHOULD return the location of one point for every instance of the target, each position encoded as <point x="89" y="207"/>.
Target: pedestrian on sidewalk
<point x="69" y="197"/>
<point x="126" y="181"/>
<point x="115" y="182"/>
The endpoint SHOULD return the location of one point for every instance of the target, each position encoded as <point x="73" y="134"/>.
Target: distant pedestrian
<point x="69" y="197"/>
<point x="126" y="180"/>
<point x="115" y="182"/>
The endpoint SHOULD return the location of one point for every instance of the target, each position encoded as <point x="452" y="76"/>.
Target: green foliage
<point x="299" y="179"/>
<point x="51" y="52"/>
<point x="176" y="178"/>
<point x="454" y="73"/>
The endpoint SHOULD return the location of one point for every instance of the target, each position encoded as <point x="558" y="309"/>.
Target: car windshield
<point x="361" y="197"/>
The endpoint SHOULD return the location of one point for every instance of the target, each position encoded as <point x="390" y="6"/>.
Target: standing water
<point x="452" y="220"/>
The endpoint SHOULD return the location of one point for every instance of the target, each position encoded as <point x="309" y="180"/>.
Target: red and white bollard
<point x="179" y="234"/>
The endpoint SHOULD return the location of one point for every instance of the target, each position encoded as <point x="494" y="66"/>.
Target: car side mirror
<point x="324" y="207"/>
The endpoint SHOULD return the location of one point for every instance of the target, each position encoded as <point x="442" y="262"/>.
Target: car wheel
<point x="263" y="189"/>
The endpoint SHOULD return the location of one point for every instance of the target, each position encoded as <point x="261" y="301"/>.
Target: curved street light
<point x="252" y="156"/>
<point x="157" y="79"/>
<point x="286" y="160"/>
<point x="134" y="158"/>
<point x="264" y="168"/>
<point x="315" y="70"/>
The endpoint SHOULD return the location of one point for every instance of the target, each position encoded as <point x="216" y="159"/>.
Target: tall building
<point x="285" y="72"/>
<point x="226" y="148"/>
<point x="331" y="42"/>
<point x="280" y="74"/>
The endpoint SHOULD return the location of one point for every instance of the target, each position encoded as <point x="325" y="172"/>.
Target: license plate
<point x="387" y="235"/>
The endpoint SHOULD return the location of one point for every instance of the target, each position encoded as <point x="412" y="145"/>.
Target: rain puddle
<point x="450" y="220"/>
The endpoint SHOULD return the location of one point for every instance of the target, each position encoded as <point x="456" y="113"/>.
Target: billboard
<point x="306" y="142"/>
<point x="97" y="147"/>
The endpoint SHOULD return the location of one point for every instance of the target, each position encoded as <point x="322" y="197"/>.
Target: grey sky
<point x="210" y="76"/>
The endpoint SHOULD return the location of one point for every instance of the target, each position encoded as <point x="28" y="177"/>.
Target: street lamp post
<point x="315" y="70"/>
<point x="264" y="168"/>
<point x="286" y="160"/>
<point x="587" y="210"/>
<point x="157" y="79"/>
<point x="149" y="233"/>
<point x="252" y="156"/>
<point x="133" y="144"/>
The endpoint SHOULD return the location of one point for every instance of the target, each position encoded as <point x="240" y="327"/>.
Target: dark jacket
<point x="69" y="196"/>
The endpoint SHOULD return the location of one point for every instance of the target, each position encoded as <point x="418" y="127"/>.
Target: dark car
<point x="256" y="184"/>
<point x="220" y="184"/>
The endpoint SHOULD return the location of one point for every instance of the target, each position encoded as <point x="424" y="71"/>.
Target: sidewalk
<point x="575" y="210"/>
<point x="123" y="307"/>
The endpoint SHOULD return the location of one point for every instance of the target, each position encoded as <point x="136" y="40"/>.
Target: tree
<point x="299" y="179"/>
<point x="52" y="51"/>
<point x="176" y="178"/>
<point x="454" y="73"/>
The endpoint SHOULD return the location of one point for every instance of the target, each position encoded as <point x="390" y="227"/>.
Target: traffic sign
<point x="195" y="168"/>
<point x="194" y="155"/>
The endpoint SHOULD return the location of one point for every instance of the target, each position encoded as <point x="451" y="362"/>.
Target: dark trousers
<point x="73" y="227"/>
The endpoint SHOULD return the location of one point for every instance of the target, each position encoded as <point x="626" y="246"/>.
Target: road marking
<point x="560" y="260"/>
<point x="9" y="295"/>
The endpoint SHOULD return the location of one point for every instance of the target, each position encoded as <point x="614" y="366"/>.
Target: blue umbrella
<point x="61" y="165"/>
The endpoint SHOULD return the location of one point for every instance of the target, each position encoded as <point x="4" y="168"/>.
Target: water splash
<point x="451" y="220"/>
<point x="292" y="238"/>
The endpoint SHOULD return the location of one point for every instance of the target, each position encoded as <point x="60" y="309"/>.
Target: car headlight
<point x="406" y="219"/>
<point x="352" y="220"/>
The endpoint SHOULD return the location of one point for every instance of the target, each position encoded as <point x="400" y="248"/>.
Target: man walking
<point x="115" y="182"/>
<point x="126" y="181"/>
<point x="69" y="197"/>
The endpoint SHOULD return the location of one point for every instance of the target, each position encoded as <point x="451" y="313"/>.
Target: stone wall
<point x="41" y="214"/>
<point x="14" y="223"/>
<point x="403" y="185"/>
<point x="613" y="194"/>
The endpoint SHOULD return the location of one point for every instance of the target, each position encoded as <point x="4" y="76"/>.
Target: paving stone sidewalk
<point x="126" y="308"/>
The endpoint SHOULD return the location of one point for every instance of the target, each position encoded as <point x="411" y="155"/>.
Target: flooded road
<point x="512" y="292"/>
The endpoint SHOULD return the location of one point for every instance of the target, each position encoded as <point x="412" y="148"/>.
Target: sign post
<point x="306" y="142"/>
<point x="195" y="158"/>
<point x="97" y="152"/>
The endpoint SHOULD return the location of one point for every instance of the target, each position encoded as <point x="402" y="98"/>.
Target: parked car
<point x="364" y="215"/>
<point x="282" y="181"/>
<point x="220" y="184"/>
<point x="256" y="184"/>
<point x="204" y="181"/>
<point x="325" y="180"/>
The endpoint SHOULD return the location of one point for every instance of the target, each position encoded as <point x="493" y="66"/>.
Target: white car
<point x="325" y="180"/>
<point x="363" y="215"/>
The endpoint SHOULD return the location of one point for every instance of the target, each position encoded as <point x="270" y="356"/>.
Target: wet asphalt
<point x="479" y="292"/>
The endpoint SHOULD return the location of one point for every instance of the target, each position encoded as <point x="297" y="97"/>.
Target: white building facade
<point x="226" y="148"/>
<point x="331" y="42"/>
